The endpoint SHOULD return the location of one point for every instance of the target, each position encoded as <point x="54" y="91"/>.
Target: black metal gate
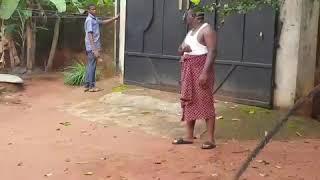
<point x="154" y="30"/>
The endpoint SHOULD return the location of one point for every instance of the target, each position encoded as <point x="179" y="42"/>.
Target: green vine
<point x="236" y="6"/>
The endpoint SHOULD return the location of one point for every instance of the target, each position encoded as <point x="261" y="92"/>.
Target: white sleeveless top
<point x="196" y="47"/>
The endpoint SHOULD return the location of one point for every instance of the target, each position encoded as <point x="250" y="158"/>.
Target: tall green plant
<point x="75" y="75"/>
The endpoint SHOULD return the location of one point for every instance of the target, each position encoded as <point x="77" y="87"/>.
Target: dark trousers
<point x="91" y="70"/>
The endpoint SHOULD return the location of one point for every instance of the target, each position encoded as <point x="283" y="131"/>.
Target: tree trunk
<point x="53" y="45"/>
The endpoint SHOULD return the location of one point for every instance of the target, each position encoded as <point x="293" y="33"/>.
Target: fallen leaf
<point x="83" y="162"/>
<point x="298" y="134"/>
<point x="214" y="175"/>
<point x="10" y="144"/>
<point x="20" y="164"/>
<point x="104" y="158"/>
<point x="235" y="119"/>
<point x="262" y="175"/>
<point x="252" y="111"/>
<point x="263" y="161"/>
<point x="88" y="173"/>
<point x="58" y="129"/>
<point x="48" y="175"/>
<point x="123" y="178"/>
<point x="157" y="162"/>
<point x="190" y="172"/>
<point x="279" y="167"/>
<point x="65" y="123"/>
<point x="114" y="136"/>
<point x="219" y="117"/>
<point x="243" y="151"/>
<point x="146" y="113"/>
<point x="105" y="126"/>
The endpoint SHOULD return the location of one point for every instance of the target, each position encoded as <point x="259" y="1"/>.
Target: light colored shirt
<point x="92" y="25"/>
<point x="196" y="47"/>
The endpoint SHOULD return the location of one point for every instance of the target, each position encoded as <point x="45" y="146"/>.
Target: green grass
<point x="251" y="126"/>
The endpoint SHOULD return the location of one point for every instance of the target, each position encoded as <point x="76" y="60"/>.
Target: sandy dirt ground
<point x="39" y="141"/>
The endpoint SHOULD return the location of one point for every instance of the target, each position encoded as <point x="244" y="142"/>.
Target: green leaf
<point x="60" y="5"/>
<point x="7" y="8"/>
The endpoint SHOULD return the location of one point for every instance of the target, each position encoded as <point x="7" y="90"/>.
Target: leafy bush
<point x="75" y="75"/>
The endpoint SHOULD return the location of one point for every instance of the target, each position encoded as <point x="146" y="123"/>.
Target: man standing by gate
<point x="198" y="53"/>
<point x="93" y="45"/>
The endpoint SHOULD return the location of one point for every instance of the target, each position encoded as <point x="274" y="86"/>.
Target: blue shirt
<point x="92" y="25"/>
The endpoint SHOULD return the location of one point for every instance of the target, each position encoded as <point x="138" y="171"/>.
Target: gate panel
<point x="230" y="39"/>
<point x="153" y="35"/>
<point x="259" y="37"/>
<point x="244" y="65"/>
<point x="174" y="29"/>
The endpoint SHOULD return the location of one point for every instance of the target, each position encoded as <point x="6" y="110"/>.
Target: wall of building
<point x="308" y="51"/>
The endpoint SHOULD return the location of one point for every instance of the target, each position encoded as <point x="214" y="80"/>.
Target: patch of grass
<point x="75" y="74"/>
<point x="121" y="88"/>
<point x="253" y="126"/>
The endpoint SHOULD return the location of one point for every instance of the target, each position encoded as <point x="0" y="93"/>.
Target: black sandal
<point x="208" y="145"/>
<point x="181" y="141"/>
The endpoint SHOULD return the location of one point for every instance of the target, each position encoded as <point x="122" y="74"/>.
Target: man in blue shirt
<point x="93" y="45"/>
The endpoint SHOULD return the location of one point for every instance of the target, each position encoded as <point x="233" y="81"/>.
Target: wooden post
<point x="54" y="44"/>
<point x="29" y="45"/>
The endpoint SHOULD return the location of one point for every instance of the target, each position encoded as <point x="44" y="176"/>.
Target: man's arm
<point x="110" y="20"/>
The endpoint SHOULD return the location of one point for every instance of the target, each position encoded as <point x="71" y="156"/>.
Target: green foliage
<point x="59" y="4"/>
<point x="7" y="8"/>
<point x="236" y="6"/>
<point x="75" y="74"/>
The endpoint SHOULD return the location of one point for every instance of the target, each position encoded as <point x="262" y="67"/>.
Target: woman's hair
<point x="197" y="11"/>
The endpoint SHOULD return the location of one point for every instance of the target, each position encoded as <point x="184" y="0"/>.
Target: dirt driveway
<point x="39" y="140"/>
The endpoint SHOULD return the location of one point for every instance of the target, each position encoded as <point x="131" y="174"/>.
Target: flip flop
<point x="86" y="89"/>
<point x="208" y="145"/>
<point x="95" y="90"/>
<point x="181" y="141"/>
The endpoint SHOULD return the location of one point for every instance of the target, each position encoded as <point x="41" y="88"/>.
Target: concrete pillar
<point x="288" y="54"/>
<point x="122" y="34"/>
